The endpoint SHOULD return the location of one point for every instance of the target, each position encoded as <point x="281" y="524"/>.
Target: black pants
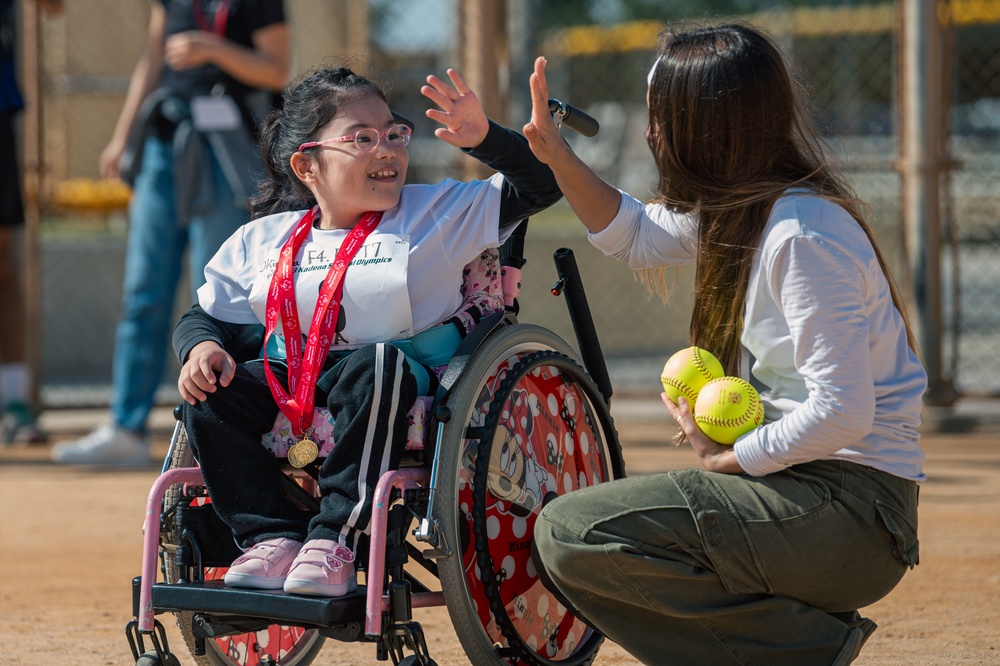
<point x="11" y="203"/>
<point x="370" y="397"/>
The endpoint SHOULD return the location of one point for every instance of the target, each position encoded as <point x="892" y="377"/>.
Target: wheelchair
<point x="519" y="418"/>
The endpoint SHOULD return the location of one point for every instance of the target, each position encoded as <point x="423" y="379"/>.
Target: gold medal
<point x="302" y="453"/>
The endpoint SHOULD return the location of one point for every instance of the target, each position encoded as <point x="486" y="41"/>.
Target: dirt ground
<point x="70" y="545"/>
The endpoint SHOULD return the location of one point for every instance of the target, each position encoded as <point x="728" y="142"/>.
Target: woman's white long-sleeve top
<point x="828" y="347"/>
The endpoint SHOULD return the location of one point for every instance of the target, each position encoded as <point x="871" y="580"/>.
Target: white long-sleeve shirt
<point x="828" y="346"/>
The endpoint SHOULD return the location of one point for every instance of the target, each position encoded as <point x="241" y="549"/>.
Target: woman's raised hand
<point x="465" y="122"/>
<point x="594" y="201"/>
<point x="541" y="131"/>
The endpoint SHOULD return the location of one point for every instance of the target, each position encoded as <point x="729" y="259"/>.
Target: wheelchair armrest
<point x="470" y="343"/>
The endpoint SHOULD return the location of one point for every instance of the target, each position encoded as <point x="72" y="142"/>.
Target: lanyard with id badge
<point x="217" y="112"/>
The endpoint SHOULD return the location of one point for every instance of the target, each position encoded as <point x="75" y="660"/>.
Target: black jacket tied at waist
<point x="235" y="150"/>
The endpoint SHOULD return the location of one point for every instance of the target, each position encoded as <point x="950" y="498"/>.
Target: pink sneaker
<point x="265" y="565"/>
<point x="323" y="568"/>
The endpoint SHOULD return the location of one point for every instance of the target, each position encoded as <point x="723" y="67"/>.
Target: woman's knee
<point x="570" y="565"/>
<point x="557" y="531"/>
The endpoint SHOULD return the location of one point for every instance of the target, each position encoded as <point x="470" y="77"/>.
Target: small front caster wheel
<point x="414" y="660"/>
<point x="150" y="658"/>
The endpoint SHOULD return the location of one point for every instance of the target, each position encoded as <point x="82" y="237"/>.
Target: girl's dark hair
<point x="730" y="135"/>
<point x="306" y="106"/>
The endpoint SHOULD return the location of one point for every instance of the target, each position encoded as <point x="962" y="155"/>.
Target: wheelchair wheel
<point x="289" y="646"/>
<point x="527" y="424"/>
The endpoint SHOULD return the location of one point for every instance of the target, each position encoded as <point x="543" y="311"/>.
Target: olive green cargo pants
<point x="693" y="568"/>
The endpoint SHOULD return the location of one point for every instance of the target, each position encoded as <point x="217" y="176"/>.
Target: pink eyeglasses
<point x="366" y="140"/>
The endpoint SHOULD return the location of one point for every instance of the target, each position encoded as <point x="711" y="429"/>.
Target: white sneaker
<point x="108" y="445"/>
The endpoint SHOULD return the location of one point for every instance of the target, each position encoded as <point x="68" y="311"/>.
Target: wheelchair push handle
<point x="574" y="118"/>
<point x="571" y="286"/>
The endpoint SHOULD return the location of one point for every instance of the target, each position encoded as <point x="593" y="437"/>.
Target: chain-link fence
<point x="845" y="54"/>
<point x="972" y="288"/>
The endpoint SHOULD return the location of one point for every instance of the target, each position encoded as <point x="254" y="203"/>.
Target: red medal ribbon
<point x="218" y="21"/>
<point x="303" y="369"/>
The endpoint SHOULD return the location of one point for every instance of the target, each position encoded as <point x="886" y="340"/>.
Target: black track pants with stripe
<point x="371" y="395"/>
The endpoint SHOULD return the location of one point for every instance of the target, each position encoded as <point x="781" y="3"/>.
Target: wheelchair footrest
<point x="214" y="597"/>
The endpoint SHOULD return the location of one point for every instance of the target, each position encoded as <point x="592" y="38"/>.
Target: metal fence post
<point x="924" y="167"/>
<point x="484" y="63"/>
<point x="33" y="172"/>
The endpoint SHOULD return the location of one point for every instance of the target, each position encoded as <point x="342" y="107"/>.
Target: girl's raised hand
<point x="541" y="131"/>
<point x="465" y="122"/>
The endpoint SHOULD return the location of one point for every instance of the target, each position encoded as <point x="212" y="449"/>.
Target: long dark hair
<point x="729" y="135"/>
<point x="306" y="106"/>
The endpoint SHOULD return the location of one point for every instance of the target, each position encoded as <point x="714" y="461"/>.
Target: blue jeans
<point x="155" y="249"/>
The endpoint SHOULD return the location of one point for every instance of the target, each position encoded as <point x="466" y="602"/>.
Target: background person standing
<point x="186" y="142"/>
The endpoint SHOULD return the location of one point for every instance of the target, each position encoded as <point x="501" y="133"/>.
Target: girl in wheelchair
<point x="356" y="279"/>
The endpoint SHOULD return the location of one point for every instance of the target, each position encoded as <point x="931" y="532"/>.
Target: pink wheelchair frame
<point x="520" y="467"/>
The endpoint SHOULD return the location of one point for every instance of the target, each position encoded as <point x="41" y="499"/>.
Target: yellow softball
<point x="728" y="408"/>
<point x="687" y="371"/>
